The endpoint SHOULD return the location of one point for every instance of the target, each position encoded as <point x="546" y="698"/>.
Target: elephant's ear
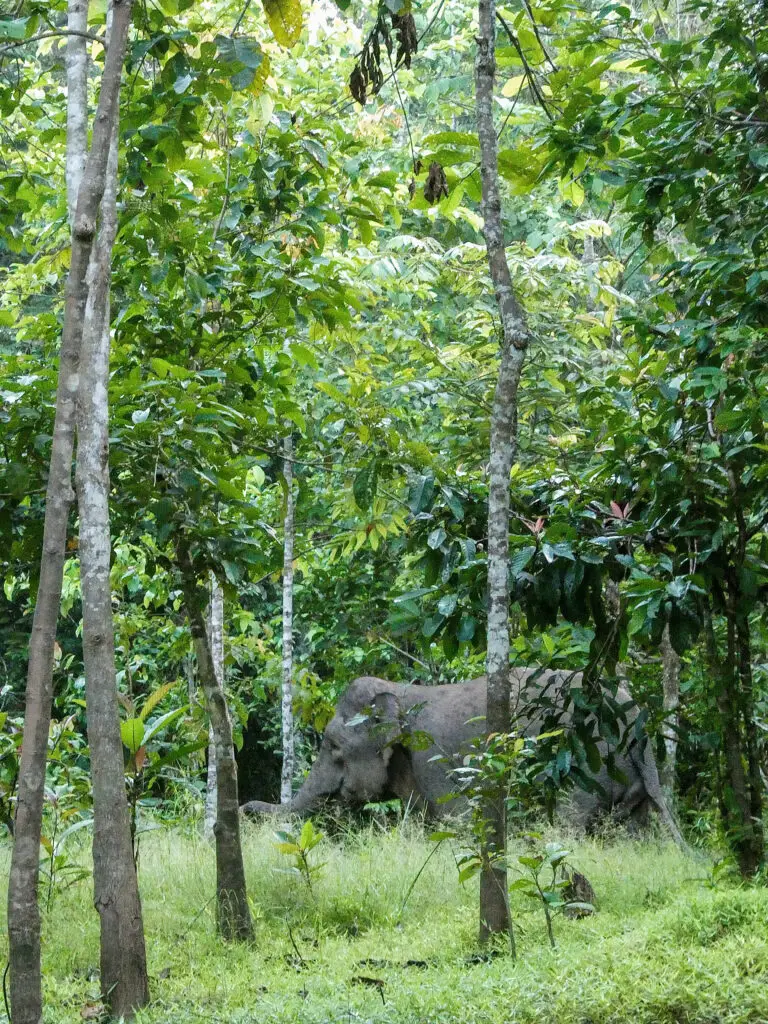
<point x="384" y="724"/>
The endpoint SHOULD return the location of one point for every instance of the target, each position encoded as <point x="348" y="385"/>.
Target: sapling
<point x="299" y="848"/>
<point x="551" y="892"/>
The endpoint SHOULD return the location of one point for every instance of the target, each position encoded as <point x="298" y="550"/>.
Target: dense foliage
<point x="295" y="259"/>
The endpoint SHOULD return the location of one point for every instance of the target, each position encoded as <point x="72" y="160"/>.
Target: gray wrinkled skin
<point x="358" y="764"/>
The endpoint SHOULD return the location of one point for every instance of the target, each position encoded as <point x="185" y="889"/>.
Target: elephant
<point x="361" y="759"/>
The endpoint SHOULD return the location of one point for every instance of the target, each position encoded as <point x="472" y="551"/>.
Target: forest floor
<point x="666" y="945"/>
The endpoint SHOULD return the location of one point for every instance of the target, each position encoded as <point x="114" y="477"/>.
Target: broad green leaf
<point x="13" y="28"/>
<point x="436" y="538"/>
<point x="303" y="355"/>
<point x="450" y="205"/>
<point x="285" y="20"/>
<point x="513" y="86"/>
<point x="422" y="490"/>
<point x="132" y="733"/>
<point x="163" y="722"/>
<point x="316" y="151"/>
<point x="364" y="486"/>
<point x="466" y="629"/>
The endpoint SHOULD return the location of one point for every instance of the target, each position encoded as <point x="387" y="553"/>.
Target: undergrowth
<point x="666" y="946"/>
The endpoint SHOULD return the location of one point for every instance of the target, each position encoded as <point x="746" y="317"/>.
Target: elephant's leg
<point x="581" y="810"/>
<point x="632" y="806"/>
<point x="402" y="782"/>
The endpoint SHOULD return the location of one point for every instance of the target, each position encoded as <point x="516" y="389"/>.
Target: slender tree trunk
<point x="23" y="910"/>
<point x="77" y="101"/>
<point x="743" y="834"/>
<point x="216" y="641"/>
<point x="124" y="980"/>
<point x="494" y="900"/>
<point x="670" y="663"/>
<point x="752" y="742"/>
<point x="286" y="775"/>
<point x="233" y="912"/>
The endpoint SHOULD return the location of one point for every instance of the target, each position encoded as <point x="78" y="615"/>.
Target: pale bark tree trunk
<point x="286" y="776"/>
<point x="77" y="101"/>
<point x="494" y="900"/>
<point x="216" y="641"/>
<point x="233" y="912"/>
<point x="23" y="911"/>
<point x="124" y="980"/>
<point x="670" y="666"/>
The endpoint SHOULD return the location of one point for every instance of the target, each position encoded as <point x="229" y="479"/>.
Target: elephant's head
<point x="352" y="764"/>
<point x="356" y="748"/>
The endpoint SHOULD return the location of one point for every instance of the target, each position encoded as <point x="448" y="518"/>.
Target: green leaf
<point x="244" y="59"/>
<point x="364" y="486"/>
<point x="453" y="503"/>
<point x="436" y="538"/>
<point x="531" y="862"/>
<point x="316" y="151"/>
<point x="421" y="493"/>
<point x="522" y="885"/>
<point x="520" y="560"/>
<point x="303" y="355"/>
<point x="450" y="205"/>
<point x="285" y="20"/>
<point x="163" y="722"/>
<point x="594" y="760"/>
<point x="15" y="28"/>
<point x="466" y="630"/>
<point x="431" y="625"/>
<point x="155" y="697"/>
<point x="288" y="848"/>
<point x="387" y="179"/>
<point x="132" y="733"/>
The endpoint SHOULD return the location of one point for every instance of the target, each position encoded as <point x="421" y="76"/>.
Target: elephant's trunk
<point x="322" y="782"/>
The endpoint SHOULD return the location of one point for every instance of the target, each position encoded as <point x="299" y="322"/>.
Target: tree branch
<point x="50" y="35"/>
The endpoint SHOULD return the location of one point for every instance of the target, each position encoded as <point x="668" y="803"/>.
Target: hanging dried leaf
<point x="407" y="40"/>
<point x="436" y="185"/>
<point x="358" y="85"/>
<point x="368" y="73"/>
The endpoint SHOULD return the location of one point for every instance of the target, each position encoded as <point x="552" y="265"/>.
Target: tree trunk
<point x="744" y="642"/>
<point x="216" y="641"/>
<point x="124" y="980"/>
<point x="670" y="662"/>
<point x="286" y="775"/>
<point x="744" y="833"/>
<point x="23" y="911"/>
<point x="77" y="101"/>
<point x="494" y="901"/>
<point x="233" y="912"/>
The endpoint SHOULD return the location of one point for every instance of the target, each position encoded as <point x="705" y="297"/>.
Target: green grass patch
<point x="663" y="948"/>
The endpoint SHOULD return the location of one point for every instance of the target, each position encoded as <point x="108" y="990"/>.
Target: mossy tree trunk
<point x="86" y="180"/>
<point x="233" y="912"/>
<point x="494" y="900"/>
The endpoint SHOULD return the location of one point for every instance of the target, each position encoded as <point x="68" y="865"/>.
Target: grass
<point x="664" y="947"/>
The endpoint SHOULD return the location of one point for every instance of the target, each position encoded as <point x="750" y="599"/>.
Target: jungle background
<point x="301" y="313"/>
